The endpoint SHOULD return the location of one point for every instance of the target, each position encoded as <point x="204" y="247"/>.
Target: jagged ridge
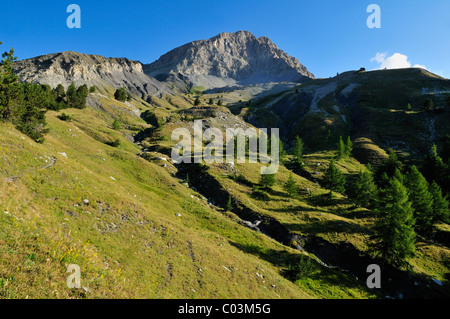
<point x="68" y="67"/>
<point x="229" y="59"/>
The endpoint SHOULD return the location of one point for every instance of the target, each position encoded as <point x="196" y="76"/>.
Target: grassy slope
<point x="128" y="240"/>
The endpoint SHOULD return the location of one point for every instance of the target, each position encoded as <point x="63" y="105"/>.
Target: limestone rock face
<point x="67" y="67"/>
<point x="230" y="59"/>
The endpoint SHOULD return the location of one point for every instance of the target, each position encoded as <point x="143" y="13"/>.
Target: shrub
<point x="267" y="180"/>
<point x="428" y="105"/>
<point x="65" y="117"/>
<point x="259" y="194"/>
<point x="115" y="143"/>
<point x="241" y="179"/>
<point x="116" y="125"/>
<point x="229" y="206"/>
<point x="121" y="95"/>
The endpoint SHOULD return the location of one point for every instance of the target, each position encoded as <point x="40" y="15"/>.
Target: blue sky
<point x="327" y="36"/>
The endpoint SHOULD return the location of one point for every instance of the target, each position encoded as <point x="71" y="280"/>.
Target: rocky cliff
<point x="68" y="67"/>
<point x="230" y="59"/>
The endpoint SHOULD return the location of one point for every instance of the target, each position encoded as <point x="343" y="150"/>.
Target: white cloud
<point x="395" y="61"/>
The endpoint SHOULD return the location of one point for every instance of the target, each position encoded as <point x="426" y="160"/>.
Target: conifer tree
<point x="341" y="148"/>
<point x="60" y="92"/>
<point x="229" y="206"/>
<point x="436" y="170"/>
<point x="282" y="151"/>
<point x="398" y="175"/>
<point x="267" y="180"/>
<point x="394" y="235"/>
<point x="71" y="93"/>
<point x="297" y="150"/>
<point x="121" y="95"/>
<point x="428" y="105"/>
<point x="348" y="148"/>
<point x="365" y="191"/>
<point x="421" y="200"/>
<point x="8" y="83"/>
<point x="389" y="167"/>
<point x="440" y="204"/>
<point x="333" y="179"/>
<point x="291" y="186"/>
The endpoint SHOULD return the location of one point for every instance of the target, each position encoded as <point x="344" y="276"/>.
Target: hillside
<point x="101" y="191"/>
<point x="67" y="67"/>
<point x="371" y="107"/>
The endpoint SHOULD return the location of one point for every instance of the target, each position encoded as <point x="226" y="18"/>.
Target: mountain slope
<point x="105" y="73"/>
<point x="371" y="107"/>
<point x="134" y="229"/>
<point x="229" y="59"/>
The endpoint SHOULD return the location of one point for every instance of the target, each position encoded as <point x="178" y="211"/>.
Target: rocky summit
<point x="238" y="58"/>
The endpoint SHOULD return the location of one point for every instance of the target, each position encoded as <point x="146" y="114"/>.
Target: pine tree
<point x="197" y="101"/>
<point x="348" y="148"/>
<point x="116" y="125"/>
<point x="436" y="170"/>
<point x="341" y="148"/>
<point x="421" y="200"/>
<point x="291" y="186"/>
<point x="282" y="151"/>
<point x="229" y="206"/>
<point x="333" y="179"/>
<point x="383" y="181"/>
<point x="389" y="167"/>
<point x="365" y="191"/>
<point x="71" y="93"/>
<point x="211" y="102"/>
<point x="267" y="180"/>
<point x="428" y="105"/>
<point x="440" y="204"/>
<point x="60" y="92"/>
<point x="8" y="84"/>
<point x="394" y="235"/>
<point x="7" y="75"/>
<point x="398" y="175"/>
<point x="297" y="150"/>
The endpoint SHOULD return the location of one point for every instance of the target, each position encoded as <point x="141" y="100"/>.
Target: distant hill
<point x="66" y="67"/>
<point x="364" y="105"/>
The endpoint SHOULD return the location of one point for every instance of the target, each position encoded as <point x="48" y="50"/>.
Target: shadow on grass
<point x="316" y="226"/>
<point x="325" y="200"/>
<point x="299" y="267"/>
<point x="295" y="209"/>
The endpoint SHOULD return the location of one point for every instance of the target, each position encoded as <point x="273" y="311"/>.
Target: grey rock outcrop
<point x="229" y="59"/>
<point x="67" y="67"/>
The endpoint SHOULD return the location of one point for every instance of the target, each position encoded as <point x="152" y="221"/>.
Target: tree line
<point x="25" y="104"/>
<point x="408" y="200"/>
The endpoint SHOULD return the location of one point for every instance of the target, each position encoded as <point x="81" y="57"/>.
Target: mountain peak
<point x="230" y="59"/>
